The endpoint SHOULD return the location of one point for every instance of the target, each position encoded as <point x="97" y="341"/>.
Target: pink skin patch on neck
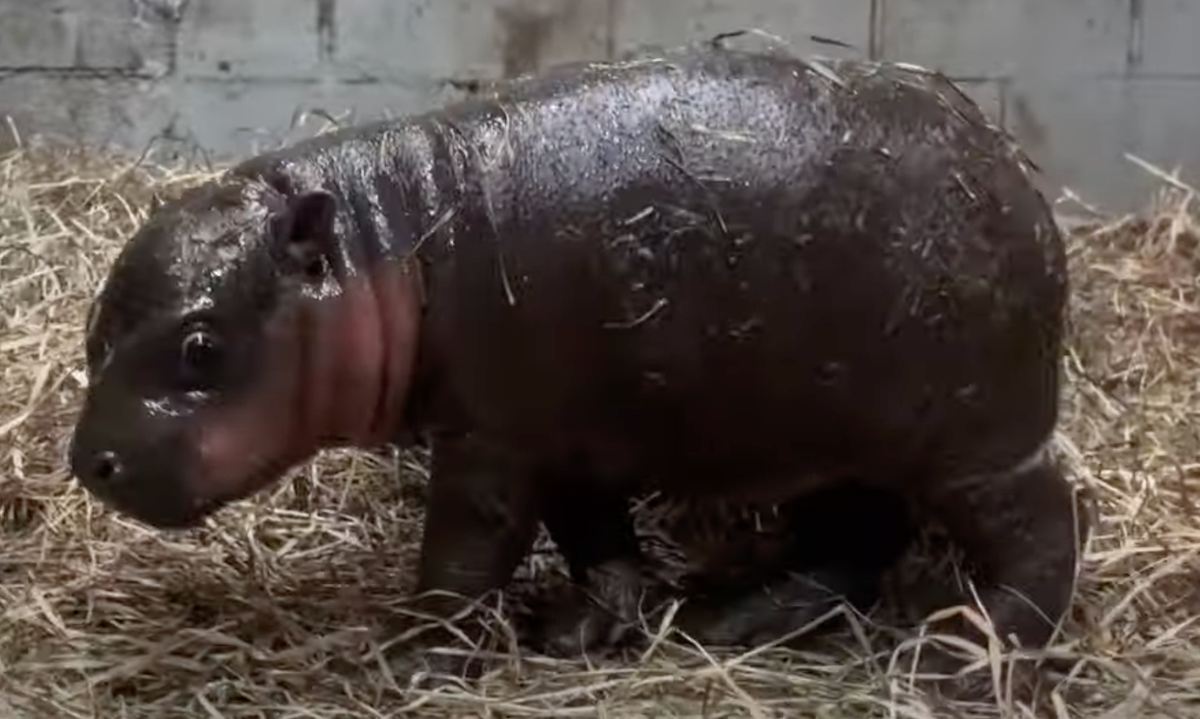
<point x="340" y="371"/>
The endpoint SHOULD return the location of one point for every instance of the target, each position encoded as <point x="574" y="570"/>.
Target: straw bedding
<point x="276" y="607"/>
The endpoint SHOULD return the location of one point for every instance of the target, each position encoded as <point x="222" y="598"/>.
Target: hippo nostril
<point x="106" y="468"/>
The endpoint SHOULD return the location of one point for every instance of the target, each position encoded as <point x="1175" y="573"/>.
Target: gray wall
<point x="1081" y="82"/>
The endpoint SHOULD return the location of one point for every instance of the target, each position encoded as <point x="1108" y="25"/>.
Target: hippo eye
<point x="200" y="353"/>
<point x="315" y="269"/>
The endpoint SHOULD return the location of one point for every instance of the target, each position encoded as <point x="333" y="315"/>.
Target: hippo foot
<point x="431" y="657"/>
<point x="430" y="671"/>
<point x="775" y="610"/>
<point x="599" y="614"/>
<point x="945" y="673"/>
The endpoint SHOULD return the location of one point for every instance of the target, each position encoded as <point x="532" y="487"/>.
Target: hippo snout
<point x="137" y="473"/>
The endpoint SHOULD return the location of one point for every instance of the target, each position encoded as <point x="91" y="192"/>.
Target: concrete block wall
<point x="1080" y="82"/>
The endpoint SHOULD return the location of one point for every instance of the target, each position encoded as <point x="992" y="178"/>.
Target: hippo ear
<point x="307" y="231"/>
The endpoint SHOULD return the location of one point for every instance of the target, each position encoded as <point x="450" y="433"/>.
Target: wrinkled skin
<point x="709" y="274"/>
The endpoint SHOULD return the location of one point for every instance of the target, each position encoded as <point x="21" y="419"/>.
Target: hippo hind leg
<point x="840" y="540"/>
<point x="1023" y="531"/>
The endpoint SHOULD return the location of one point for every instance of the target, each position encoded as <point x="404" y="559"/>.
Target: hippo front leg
<point x="1023" y="530"/>
<point x="480" y="521"/>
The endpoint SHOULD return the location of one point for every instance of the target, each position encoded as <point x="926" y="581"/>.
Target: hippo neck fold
<point x="386" y="200"/>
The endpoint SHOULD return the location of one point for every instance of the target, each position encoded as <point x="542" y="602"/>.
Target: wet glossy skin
<point x="237" y="333"/>
<point x="713" y="273"/>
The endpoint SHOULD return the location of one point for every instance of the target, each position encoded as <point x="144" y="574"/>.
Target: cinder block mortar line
<point x="85" y="73"/>
<point x="1137" y="35"/>
<point x="610" y="30"/>
<point x="875" y="32"/>
<point x="326" y="30"/>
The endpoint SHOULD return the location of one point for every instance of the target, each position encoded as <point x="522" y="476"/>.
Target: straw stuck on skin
<point x="279" y="606"/>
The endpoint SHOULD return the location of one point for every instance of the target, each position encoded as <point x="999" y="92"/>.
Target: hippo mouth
<point x="244" y="449"/>
<point x="203" y="506"/>
<point x="189" y="517"/>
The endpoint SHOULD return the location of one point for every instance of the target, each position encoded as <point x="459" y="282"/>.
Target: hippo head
<point x="235" y="336"/>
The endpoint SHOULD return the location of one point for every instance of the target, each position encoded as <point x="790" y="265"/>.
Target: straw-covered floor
<point x="273" y="609"/>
